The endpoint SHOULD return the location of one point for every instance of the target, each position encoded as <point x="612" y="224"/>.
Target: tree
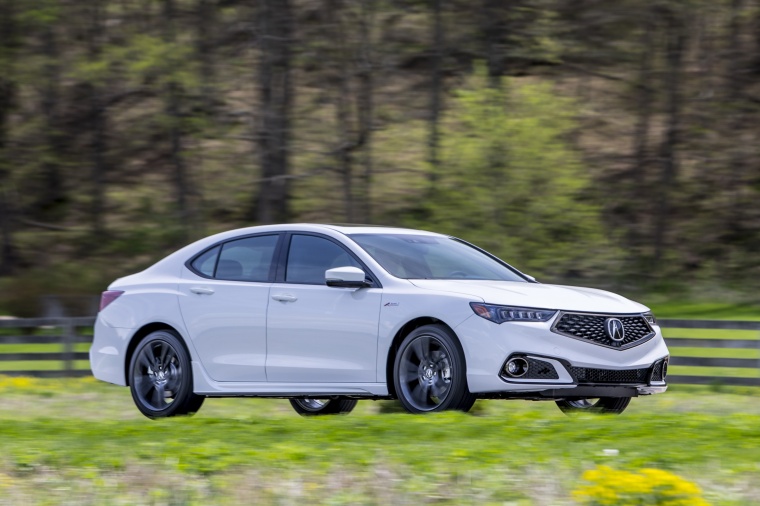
<point x="52" y="193"/>
<point x="675" y="40"/>
<point x="510" y="180"/>
<point x="173" y="110"/>
<point x="8" y="47"/>
<point x="275" y="37"/>
<point x="436" y="89"/>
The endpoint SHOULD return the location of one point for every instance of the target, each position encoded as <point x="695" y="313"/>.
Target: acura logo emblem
<point x="615" y="329"/>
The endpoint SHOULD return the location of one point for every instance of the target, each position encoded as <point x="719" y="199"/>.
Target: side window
<point x="310" y="256"/>
<point x="247" y="259"/>
<point x="206" y="262"/>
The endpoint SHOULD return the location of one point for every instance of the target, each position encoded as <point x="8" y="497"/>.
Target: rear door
<point x="224" y="299"/>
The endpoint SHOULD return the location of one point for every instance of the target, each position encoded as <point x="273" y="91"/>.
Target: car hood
<point x="536" y="295"/>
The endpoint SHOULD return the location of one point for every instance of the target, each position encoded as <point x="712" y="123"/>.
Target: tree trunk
<point x="735" y="82"/>
<point x="8" y="255"/>
<point x="345" y="144"/>
<point x="493" y="31"/>
<point x="98" y="128"/>
<point x="174" y="113"/>
<point x="675" y="34"/>
<point x="52" y="194"/>
<point x="436" y="89"/>
<point x="641" y="157"/>
<point x="206" y="24"/>
<point x="365" y="103"/>
<point x="275" y="94"/>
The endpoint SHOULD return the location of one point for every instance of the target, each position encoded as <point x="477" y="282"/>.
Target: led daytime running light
<point x="501" y="314"/>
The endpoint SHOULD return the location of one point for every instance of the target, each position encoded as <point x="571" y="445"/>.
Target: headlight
<point x="650" y="318"/>
<point x="501" y="314"/>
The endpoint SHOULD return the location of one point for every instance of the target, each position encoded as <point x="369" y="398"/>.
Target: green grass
<point x="715" y="352"/>
<point x="40" y="348"/>
<point x="675" y="333"/>
<point x="83" y="442"/>
<point x="41" y="365"/>
<point x="718" y="372"/>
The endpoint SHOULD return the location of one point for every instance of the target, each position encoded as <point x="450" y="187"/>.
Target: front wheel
<point x="160" y="377"/>
<point x="429" y="372"/>
<point x="611" y="405"/>
<point x="308" y="406"/>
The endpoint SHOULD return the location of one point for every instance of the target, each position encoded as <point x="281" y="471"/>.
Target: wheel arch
<point x="404" y="331"/>
<point x="141" y="333"/>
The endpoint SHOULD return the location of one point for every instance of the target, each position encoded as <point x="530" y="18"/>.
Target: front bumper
<point x="574" y="368"/>
<point x="578" y="392"/>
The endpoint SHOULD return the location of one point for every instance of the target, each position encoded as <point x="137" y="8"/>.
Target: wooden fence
<point x="26" y="337"/>
<point x="721" y="336"/>
<point x="29" y="344"/>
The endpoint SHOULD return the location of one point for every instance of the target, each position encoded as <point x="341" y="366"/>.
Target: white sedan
<point x="325" y="315"/>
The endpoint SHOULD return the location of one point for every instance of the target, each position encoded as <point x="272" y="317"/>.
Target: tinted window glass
<point x="432" y="257"/>
<point x="206" y="262"/>
<point x="310" y="256"/>
<point x="247" y="259"/>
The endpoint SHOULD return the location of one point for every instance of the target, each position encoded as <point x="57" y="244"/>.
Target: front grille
<point x="538" y="369"/>
<point x="591" y="327"/>
<point x="587" y="375"/>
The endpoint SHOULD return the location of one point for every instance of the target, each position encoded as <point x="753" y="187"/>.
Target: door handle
<point x="202" y="290"/>
<point x="284" y="297"/>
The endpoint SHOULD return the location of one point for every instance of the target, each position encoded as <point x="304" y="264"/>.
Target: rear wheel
<point x="612" y="405"/>
<point x="429" y="372"/>
<point x="160" y="377"/>
<point x="308" y="406"/>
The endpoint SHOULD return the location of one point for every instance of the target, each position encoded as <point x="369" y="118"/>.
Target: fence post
<point x="69" y="336"/>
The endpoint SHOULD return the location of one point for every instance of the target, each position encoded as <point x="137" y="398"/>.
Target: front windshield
<point x="432" y="257"/>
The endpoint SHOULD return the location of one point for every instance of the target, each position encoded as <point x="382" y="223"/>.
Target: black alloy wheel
<point x="610" y="405"/>
<point x="308" y="406"/>
<point x="160" y="377"/>
<point x="429" y="372"/>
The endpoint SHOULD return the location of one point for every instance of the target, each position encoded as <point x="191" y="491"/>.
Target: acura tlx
<point x="326" y="315"/>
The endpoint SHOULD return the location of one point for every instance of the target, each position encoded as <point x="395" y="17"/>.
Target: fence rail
<point x="30" y="336"/>
<point x="723" y="337"/>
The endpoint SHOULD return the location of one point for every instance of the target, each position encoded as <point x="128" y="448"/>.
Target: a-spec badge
<point x="391" y="304"/>
<point x="615" y="329"/>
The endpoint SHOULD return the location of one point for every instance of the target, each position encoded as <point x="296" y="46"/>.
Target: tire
<point x="308" y="406"/>
<point x="610" y="405"/>
<point x="161" y="378"/>
<point x="429" y="372"/>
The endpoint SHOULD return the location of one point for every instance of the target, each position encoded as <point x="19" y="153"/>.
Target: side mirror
<point x="346" y="277"/>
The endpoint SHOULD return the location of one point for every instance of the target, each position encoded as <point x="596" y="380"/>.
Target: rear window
<point x="206" y="263"/>
<point x="246" y="259"/>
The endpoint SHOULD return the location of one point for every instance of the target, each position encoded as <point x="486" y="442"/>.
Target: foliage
<point x="648" y="486"/>
<point x="512" y="182"/>
<point x="134" y="127"/>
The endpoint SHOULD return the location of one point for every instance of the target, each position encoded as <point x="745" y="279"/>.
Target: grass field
<point x="78" y="441"/>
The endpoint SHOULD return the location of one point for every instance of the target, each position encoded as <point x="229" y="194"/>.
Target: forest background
<point x="608" y="144"/>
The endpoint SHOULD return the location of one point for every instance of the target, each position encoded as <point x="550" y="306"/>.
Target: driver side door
<point x="317" y="333"/>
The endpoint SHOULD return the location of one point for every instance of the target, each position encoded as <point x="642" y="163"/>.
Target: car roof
<point x="349" y="229"/>
<point x="343" y="228"/>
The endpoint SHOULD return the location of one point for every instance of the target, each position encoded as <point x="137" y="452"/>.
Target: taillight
<point x="109" y="296"/>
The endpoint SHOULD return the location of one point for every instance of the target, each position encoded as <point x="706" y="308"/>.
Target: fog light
<point x="516" y="367"/>
<point x="664" y="369"/>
